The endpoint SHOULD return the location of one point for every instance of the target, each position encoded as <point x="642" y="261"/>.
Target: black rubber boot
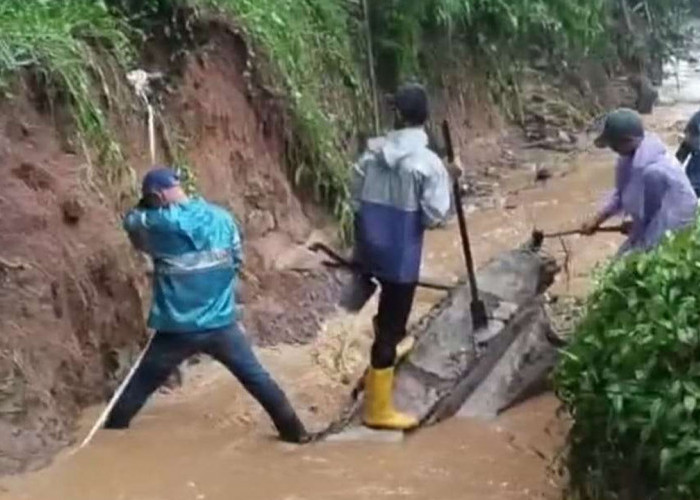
<point x="291" y="430"/>
<point x="120" y="416"/>
<point x="115" y="425"/>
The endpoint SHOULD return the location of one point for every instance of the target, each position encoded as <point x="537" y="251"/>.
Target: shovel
<point x="478" y="309"/>
<point x="363" y="285"/>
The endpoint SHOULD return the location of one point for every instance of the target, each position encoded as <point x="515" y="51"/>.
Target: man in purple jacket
<point x="650" y="185"/>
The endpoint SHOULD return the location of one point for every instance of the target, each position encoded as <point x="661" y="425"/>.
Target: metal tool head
<point x="537" y="239"/>
<point x="357" y="292"/>
<point x="480" y="317"/>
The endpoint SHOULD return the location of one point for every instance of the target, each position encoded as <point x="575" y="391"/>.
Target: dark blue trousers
<point x="228" y="346"/>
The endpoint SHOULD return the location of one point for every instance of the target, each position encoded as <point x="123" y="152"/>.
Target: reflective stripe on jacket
<point x="196" y="252"/>
<point x="400" y="188"/>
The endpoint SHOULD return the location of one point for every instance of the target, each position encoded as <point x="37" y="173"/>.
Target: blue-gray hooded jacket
<point x="196" y="252"/>
<point x="400" y="188"/>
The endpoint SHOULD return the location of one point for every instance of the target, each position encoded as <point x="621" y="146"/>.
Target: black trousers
<point x="395" y="303"/>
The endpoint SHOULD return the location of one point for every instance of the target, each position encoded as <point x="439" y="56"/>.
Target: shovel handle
<point x="478" y="309"/>
<point x="607" y="229"/>
<point x="340" y="261"/>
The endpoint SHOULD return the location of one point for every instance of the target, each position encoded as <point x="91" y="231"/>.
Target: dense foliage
<point x="318" y="51"/>
<point x="494" y="30"/>
<point x="631" y="378"/>
<point x="645" y="33"/>
<point x="412" y="35"/>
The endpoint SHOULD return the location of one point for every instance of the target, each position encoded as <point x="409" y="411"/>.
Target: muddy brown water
<point x="209" y="441"/>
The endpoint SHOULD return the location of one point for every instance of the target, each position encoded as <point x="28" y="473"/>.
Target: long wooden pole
<point x="139" y="87"/>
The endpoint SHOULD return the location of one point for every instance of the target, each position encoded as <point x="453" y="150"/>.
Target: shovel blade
<point x="357" y="292"/>
<point x="480" y="318"/>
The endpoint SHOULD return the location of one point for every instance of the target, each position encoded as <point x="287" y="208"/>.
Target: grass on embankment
<point x="309" y="42"/>
<point x="61" y="42"/>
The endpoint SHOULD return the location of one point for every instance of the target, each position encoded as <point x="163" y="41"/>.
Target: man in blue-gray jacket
<point x="196" y="251"/>
<point x="400" y="188"/>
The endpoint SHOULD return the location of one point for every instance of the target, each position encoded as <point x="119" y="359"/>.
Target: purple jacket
<point x="652" y="189"/>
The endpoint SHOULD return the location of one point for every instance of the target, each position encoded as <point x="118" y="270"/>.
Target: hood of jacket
<point x="398" y="145"/>
<point x="651" y="150"/>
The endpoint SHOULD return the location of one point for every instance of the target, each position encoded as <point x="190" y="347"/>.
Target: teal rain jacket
<point x="196" y="252"/>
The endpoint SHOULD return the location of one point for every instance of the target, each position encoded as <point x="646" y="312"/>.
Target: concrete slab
<point x="365" y="434"/>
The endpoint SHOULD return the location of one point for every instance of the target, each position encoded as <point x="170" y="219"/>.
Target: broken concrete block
<point x="450" y="361"/>
<point x="519" y="372"/>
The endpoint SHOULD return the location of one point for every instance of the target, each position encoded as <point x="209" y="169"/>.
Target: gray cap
<point x="620" y="124"/>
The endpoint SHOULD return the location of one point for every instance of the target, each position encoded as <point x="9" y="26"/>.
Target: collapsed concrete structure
<point x="453" y="369"/>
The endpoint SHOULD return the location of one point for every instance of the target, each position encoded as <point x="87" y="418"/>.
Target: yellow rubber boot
<point x="379" y="412"/>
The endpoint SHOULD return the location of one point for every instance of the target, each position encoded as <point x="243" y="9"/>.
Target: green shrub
<point x="631" y="378"/>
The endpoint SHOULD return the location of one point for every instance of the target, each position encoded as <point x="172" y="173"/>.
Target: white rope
<point x="117" y="394"/>
<point x="151" y="134"/>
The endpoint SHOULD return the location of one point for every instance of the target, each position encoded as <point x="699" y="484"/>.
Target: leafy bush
<point x="631" y="378"/>
<point x="425" y="37"/>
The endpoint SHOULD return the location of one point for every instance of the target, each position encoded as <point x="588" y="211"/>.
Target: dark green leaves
<point x="631" y="378"/>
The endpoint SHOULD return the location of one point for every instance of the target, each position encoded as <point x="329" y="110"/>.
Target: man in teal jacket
<point x="196" y="251"/>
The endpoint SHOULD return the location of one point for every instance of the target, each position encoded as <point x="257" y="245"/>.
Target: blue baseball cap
<point x="159" y="179"/>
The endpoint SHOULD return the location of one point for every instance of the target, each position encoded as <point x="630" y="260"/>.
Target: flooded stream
<point x="209" y="441"/>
